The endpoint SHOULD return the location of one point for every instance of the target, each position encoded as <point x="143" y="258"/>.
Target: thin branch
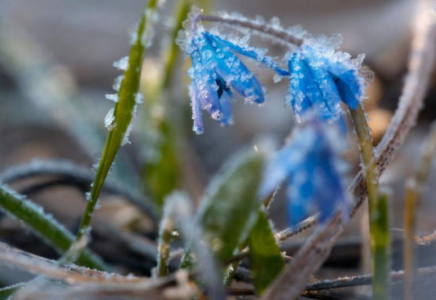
<point x="309" y="258"/>
<point x="260" y="27"/>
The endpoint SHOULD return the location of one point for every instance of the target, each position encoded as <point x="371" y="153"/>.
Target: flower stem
<point x="380" y="248"/>
<point x="377" y="211"/>
<point x="278" y="33"/>
<point x="414" y="187"/>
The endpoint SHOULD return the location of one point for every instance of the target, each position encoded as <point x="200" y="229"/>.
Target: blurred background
<point x="56" y="67"/>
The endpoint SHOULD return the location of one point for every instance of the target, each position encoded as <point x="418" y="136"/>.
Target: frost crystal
<point x="109" y="120"/>
<point x="122" y="64"/>
<point x="312" y="168"/>
<point x="139" y="98"/>
<point x="117" y="83"/>
<point x="112" y="97"/>
<point x="125" y="140"/>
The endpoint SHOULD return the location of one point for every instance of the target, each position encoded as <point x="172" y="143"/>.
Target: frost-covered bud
<point x="311" y="166"/>
<point x="321" y="77"/>
<point x="216" y="70"/>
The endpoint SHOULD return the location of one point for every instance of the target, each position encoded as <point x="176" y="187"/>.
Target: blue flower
<point x="312" y="169"/>
<point x="216" y="70"/>
<point x="321" y="77"/>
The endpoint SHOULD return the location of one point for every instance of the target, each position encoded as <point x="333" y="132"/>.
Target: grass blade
<point x="123" y="113"/>
<point x="42" y="224"/>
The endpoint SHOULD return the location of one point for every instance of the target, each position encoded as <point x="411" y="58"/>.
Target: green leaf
<point x="265" y="257"/>
<point x="7" y="291"/>
<point x="123" y="112"/>
<point x="44" y="225"/>
<point x="230" y="206"/>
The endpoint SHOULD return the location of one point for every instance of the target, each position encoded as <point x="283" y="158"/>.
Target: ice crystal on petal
<point x="322" y="77"/>
<point x="216" y="71"/>
<point x="311" y="166"/>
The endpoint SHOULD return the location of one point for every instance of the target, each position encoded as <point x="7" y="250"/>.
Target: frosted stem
<point x="264" y="28"/>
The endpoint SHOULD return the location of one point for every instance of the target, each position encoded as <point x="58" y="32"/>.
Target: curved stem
<point x="275" y="32"/>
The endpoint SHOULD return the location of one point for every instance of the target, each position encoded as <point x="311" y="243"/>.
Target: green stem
<point x="381" y="250"/>
<point x="371" y="178"/>
<point x="44" y="225"/>
<point x="123" y="113"/>
<point x="414" y="189"/>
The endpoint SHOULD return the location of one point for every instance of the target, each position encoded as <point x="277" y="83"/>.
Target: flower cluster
<point x="311" y="165"/>
<point x="320" y="79"/>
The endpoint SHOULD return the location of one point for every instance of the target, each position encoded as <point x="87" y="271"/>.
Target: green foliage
<point x="265" y="257"/>
<point x="229" y="208"/>
<point x="44" y="225"/>
<point x="124" y="110"/>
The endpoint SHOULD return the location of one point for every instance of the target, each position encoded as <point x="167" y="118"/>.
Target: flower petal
<point x="249" y="52"/>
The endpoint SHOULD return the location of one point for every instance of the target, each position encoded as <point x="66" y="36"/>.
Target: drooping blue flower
<point x="216" y="70"/>
<point x="311" y="166"/>
<point x="321" y="77"/>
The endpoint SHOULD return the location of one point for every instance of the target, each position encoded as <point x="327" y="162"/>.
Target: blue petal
<point x="197" y="114"/>
<point x="278" y="168"/>
<point x="303" y="91"/>
<point x="349" y="85"/>
<point x="236" y="74"/>
<point x="267" y="61"/>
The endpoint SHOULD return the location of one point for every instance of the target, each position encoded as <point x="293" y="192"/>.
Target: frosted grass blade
<point x="43" y="225"/>
<point x="124" y="111"/>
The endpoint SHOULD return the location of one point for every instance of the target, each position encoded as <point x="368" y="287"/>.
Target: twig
<point x="74" y="274"/>
<point x="420" y="66"/>
<point x="276" y="32"/>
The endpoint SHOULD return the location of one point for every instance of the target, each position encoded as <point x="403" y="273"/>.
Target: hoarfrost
<point x="122" y="64"/>
<point x="109" y="120"/>
<point x="112" y="97"/>
<point x="125" y="140"/>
